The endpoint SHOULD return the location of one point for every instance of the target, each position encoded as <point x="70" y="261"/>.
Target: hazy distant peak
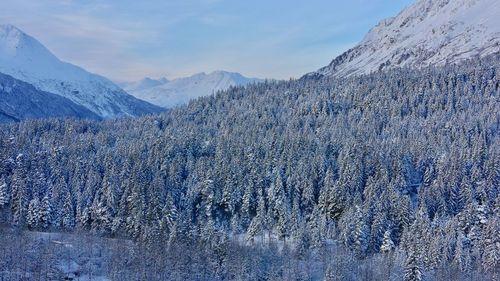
<point x="179" y="91"/>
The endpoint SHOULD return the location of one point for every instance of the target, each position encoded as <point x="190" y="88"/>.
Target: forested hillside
<point x="403" y="164"/>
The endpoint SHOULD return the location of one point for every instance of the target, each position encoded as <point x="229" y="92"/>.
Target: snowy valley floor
<point x="29" y="255"/>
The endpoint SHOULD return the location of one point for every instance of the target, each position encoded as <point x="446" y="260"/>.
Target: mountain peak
<point x="26" y="59"/>
<point x="179" y="91"/>
<point x="429" y="32"/>
<point x="19" y="51"/>
<point x="10" y="30"/>
<point x="14" y="41"/>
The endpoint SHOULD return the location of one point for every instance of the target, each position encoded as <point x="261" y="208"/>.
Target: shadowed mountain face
<point x="20" y="100"/>
<point x="26" y="59"/>
<point x="429" y="32"/>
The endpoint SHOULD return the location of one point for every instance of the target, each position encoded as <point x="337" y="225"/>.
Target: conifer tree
<point x="412" y="267"/>
<point x="4" y="196"/>
<point x="34" y="214"/>
<point x="387" y="244"/>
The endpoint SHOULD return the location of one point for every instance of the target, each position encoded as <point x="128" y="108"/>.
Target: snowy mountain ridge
<point x="429" y="32"/>
<point x="179" y="91"/>
<point x="26" y="59"/>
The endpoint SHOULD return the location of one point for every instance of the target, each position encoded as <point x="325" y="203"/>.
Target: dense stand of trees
<point x="403" y="165"/>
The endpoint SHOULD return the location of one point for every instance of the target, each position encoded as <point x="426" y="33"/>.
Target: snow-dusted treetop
<point x="26" y="59"/>
<point x="179" y="91"/>
<point x="429" y="32"/>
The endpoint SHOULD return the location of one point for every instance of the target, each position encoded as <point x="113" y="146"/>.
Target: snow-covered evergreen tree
<point x="46" y="212"/>
<point x="4" y="196"/>
<point x="34" y="216"/>
<point x="387" y="244"/>
<point x="412" y="267"/>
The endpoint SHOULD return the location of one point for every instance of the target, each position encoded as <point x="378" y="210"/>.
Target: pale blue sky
<point x="131" y="39"/>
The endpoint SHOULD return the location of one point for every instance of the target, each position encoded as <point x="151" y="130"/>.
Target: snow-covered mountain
<point x="143" y="84"/>
<point x="26" y="59"/>
<point x="179" y="91"/>
<point x="20" y="100"/>
<point x="429" y="32"/>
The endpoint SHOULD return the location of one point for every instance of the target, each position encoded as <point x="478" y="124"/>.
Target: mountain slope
<point x="429" y="32"/>
<point x="179" y="91"/>
<point x="20" y="100"/>
<point x="24" y="58"/>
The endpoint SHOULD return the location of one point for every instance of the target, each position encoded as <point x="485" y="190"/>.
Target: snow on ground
<point x="78" y="257"/>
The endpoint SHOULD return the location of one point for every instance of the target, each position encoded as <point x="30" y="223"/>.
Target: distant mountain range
<point x="429" y="32"/>
<point x="23" y="58"/>
<point x="165" y="93"/>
